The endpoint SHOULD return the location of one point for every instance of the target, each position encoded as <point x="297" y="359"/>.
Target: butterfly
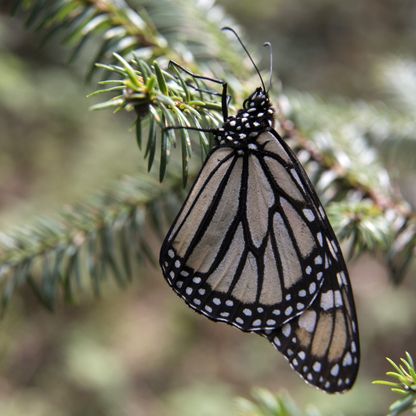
<point x="253" y="247"/>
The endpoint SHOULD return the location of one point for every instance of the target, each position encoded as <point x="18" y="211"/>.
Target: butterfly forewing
<point x="248" y="246"/>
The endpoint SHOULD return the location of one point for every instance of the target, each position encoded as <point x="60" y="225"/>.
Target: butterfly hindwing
<point x="322" y="344"/>
<point x="248" y="246"/>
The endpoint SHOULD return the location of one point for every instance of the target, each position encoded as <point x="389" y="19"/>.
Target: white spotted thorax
<point x="252" y="247"/>
<point x="255" y="117"/>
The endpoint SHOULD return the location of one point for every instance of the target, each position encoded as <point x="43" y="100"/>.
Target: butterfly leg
<point x="189" y="128"/>
<point x="224" y="97"/>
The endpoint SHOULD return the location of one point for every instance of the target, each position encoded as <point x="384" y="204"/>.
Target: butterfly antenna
<point x="247" y="52"/>
<point x="269" y="45"/>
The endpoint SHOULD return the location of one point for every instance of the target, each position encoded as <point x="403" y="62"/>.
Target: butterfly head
<point x="259" y="99"/>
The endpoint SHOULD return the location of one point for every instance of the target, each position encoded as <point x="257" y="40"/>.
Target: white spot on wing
<point x="335" y="370"/>
<point x="317" y="366"/>
<point x="312" y="288"/>
<point x="288" y="310"/>
<point x="309" y="215"/>
<point x="327" y="300"/>
<point x="347" y="360"/>
<point x="338" y="299"/>
<point x="318" y="260"/>
<point x="307" y="321"/>
<point x="342" y="281"/>
<point x="286" y="330"/>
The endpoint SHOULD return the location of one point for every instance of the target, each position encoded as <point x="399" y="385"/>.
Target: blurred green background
<point x="142" y="351"/>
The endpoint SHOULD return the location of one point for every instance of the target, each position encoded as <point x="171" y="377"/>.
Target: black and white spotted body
<point x="254" y="118"/>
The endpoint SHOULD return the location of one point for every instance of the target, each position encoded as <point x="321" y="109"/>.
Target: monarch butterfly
<point x="252" y="247"/>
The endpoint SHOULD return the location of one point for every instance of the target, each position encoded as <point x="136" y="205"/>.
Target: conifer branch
<point x="172" y="105"/>
<point x="403" y="384"/>
<point x="105" y="236"/>
<point x="265" y="403"/>
<point x="188" y="33"/>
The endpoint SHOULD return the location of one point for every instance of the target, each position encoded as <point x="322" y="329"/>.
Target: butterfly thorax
<point x="254" y="118"/>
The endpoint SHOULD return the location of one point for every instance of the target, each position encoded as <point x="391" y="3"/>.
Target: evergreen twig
<point x="403" y="384"/>
<point x="265" y="403"/>
<point x="104" y="236"/>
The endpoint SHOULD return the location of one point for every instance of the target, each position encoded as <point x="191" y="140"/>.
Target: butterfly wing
<point x="322" y="344"/>
<point x="249" y="244"/>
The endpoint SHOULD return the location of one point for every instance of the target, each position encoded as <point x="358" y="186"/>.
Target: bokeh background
<point x="142" y="351"/>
